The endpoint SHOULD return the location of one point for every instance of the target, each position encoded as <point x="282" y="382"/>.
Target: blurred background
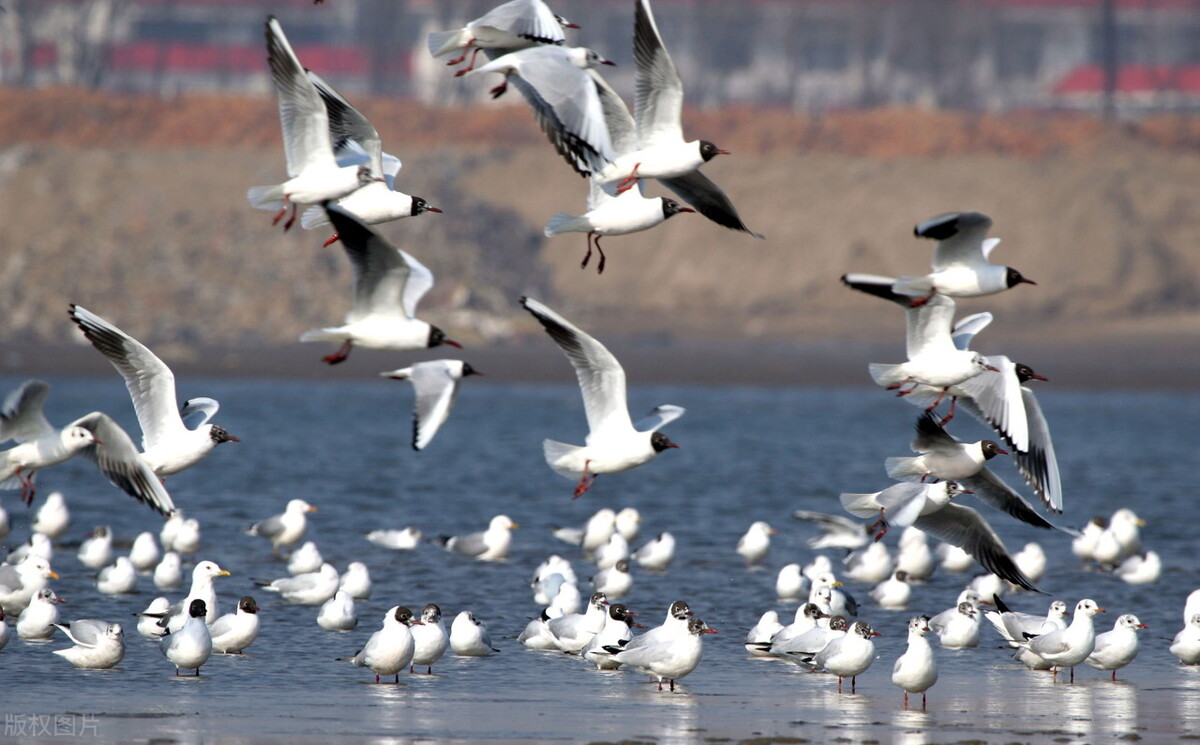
<point x="130" y="130"/>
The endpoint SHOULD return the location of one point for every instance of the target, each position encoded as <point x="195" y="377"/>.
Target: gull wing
<point x="964" y="527"/>
<point x="902" y="502"/>
<point x="659" y="99"/>
<point x="1038" y="465"/>
<point x="994" y="398"/>
<point x="967" y="327"/>
<point x="990" y="489"/>
<point x="931" y="437"/>
<point x="84" y="632"/>
<point x="528" y="19"/>
<point x="302" y="113"/>
<point x="601" y="377"/>
<point x="119" y="460"/>
<point x="150" y="382"/>
<point x="471" y="544"/>
<point x="709" y="200"/>
<point x="436" y="389"/>
<point x="380" y="270"/>
<point x="659" y="417"/>
<point x="197" y="412"/>
<point x="347" y="124"/>
<point x="21" y="417"/>
<point x="928" y="326"/>
<point x="960" y="237"/>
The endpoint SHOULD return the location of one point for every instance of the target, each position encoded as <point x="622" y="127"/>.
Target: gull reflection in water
<point x="1116" y="705"/>
<point x="911" y="727"/>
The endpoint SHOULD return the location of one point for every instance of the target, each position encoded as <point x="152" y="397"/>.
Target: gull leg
<point x="377" y="679"/>
<point x="397" y="678"/>
<point x="1114" y="675"/>
<point x="429" y="671"/>
<point x="585" y="481"/>
<point x="627" y="183"/>
<point x="499" y="90"/>
<point x="600" y="266"/>
<point x="922" y="700"/>
<point x="672" y="686"/>
<point x="660" y="685"/>
<point x="339" y="356"/>
<point x="881" y="523"/>
<point x="457" y="60"/>
<point x="28" y="488"/>
<point x="291" y="220"/>
<point x="906" y="700"/>
<point x="839" y="684"/>
<point x="853" y="683"/>
<point x="936" y="402"/>
<point x="282" y="211"/>
<point x="588" y="256"/>
<point x="948" y="417"/>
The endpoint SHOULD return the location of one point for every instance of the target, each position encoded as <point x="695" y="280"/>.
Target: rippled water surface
<point x="747" y="454"/>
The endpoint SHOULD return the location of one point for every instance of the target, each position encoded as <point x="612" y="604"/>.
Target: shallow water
<point x="747" y="454"/>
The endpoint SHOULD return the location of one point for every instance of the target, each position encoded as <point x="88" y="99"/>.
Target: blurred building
<point x="811" y="55"/>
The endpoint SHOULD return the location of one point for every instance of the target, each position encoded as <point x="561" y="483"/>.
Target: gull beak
<point x="608" y="62"/>
<point x="434" y="209"/>
<point x="231" y="438"/>
<point x="1142" y="626"/>
<point x="380" y="179"/>
<point x="1027" y="281"/>
<point x="926" y="629"/>
<point x="968" y="491"/>
<point x="993" y="368"/>
<point x="97" y="440"/>
<point x="223" y="573"/>
<point x="1043" y="378"/>
<point x="310" y="508"/>
<point x="515" y="525"/>
<point x="568" y="24"/>
<point x="673" y="445"/>
<point x="686" y="209"/>
<point x="452" y="343"/>
<point x="723" y="152"/>
<point x="709" y="631"/>
<point x="772" y="531"/>
<point x="837" y="583"/>
<point x="1002" y="452"/>
<point x="1101" y="610"/>
<point x="53" y="575"/>
<point x="1141" y="523"/>
<point x="876" y="633"/>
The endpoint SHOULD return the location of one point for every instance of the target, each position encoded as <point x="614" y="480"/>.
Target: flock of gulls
<point x="339" y="175"/>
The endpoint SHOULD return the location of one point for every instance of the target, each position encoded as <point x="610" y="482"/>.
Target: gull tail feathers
<point x="443" y="42"/>
<point x="313" y="217"/>
<point x="901" y="468"/>
<point x="558" y="452"/>
<point x="564" y="223"/>
<point x="885" y="374"/>
<point x="860" y="505"/>
<point x="325" y="334"/>
<point x="265" y="197"/>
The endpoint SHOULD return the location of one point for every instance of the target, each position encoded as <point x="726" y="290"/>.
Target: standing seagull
<point x="960" y="261"/>
<point x="99" y="645"/>
<point x="314" y="175"/>
<point x="488" y="545"/>
<point x="436" y="384"/>
<point x="355" y="141"/>
<point x="390" y="649"/>
<point x="94" y="436"/>
<point x="1070" y="646"/>
<point x="916" y="670"/>
<point x="190" y="646"/>
<point x="613" y="443"/>
<point x="514" y="25"/>
<point x="668" y="660"/>
<point x="168" y="446"/>
<point x="388" y="284"/>
<point x="286" y="528"/>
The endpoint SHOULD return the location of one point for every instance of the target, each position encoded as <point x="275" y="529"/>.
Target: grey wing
<point x="529" y="19"/>
<point x="994" y="398"/>
<point x="471" y="544"/>
<point x="119" y="460"/>
<point x="990" y="489"/>
<point x="150" y="382"/>
<point x="836" y="531"/>
<point x="10" y="579"/>
<point x="967" y="327"/>
<point x="302" y="113"/>
<point x="268" y="528"/>
<point x="21" y="417"/>
<point x="928" y="325"/>
<point x="347" y="124"/>
<point x="938" y="622"/>
<point x="380" y="271"/>
<point x="601" y="377"/>
<point x="222" y="625"/>
<point x="709" y="200"/>
<point x="436" y="390"/>
<point x="85" y="632"/>
<point x="1039" y="465"/>
<point x="567" y="107"/>
<point x="198" y="411"/>
<point x="659" y="97"/>
<point x="962" y="244"/>
<point x="902" y="502"/>
<point x="931" y="437"/>
<point x="622" y="130"/>
<point x="419" y="282"/>
<point x="964" y="527"/>
<point x="659" y="417"/>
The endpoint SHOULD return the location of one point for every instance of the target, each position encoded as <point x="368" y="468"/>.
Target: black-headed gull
<point x="148" y="624"/>
<point x="675" y="624"/>
<point x="914" y="555"/>
<point x="790" y="583"/>
<point x="388" y="284"/>
<point x="36" y="621"/>
<point x="356" y="141"/>
<point x="629" y="212"/>
<point x="469" y="636"/>
<point x="958" y="627"/>
<point x="960" y="261"/>
<point x="99" y="645"/>
<point x="233" y="632"/>
<point x="572" y="632"/>
<point x="1070" y="646"/>
<point x="389" y="650"/>
<point x="514" y="25"/>
<point x="435" y="383"/>
<point x="50" y="521"/>
<point x="613" y="443"/>
<point x="1121" y="539"/>
<point x="356" y="580"/>
<point x="1115" y="649"/>
<point x="285" y="528"/>
<point x="806" y="618"/>
<point x="618" y="628"/>
<point x="430" y="639"/>
<point x="488" y="545"/>
<point x="893" y="593"/>
<point x="915" y="671"/>
<point x="758" y="638"/>
<point x="943" y="457"/>
<point x="670" y="659"/>
<point x="933" y="359"/>
<point x="929" y="507"/>
<point x="847" y="656"/>
<point x="168" y="446"/>
<point x="144" y="553"/>
<point x="594" y="533"/>
<point x="659" y="150"/>
<point x="1140" y="570"/>
<point x="562" y="93"/>
<point x="191" y="645"/>
<point x="94" y="436"/>
<point x="314" y="175"/>
<point x="615" y="581"/>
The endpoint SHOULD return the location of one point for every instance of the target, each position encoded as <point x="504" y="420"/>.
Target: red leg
<point x="906" y="699"/>
<point x="282" y="211"/>
<point x="936" y="402"/>
<point x="948" y="417"/>
<point x="920" y="301"/>
<point x="331" y="240"/>
<point x="585" y="481"/>
<point x="627" y="183"/>
<point x="839" y="684"/>
<point x="1114" y="675"/>
<point x="339" y="356"/>
<point x="377" y="679"/>
<point x="499" y="90"/>
<point x="456" y="60"/>
<point x="660" y="685"/>
<point x="291" y="220"/>
<point x="471" y="65"/>
<point x="28" y="488"/>
<point x="881" y="523"/>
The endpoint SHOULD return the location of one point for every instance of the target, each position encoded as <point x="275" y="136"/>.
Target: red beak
<point x="452" y="343"/>
<point x="434" y="209"/>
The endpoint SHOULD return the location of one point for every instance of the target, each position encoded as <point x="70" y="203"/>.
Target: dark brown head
<point x="660" y="442"/>
<point x="1025" y="374"/>
<point x="708" y="151"/>
<point x="468" y="370"/>
<point x="991" y="449"/>
<point x="247" y="605"/>
<point x="619" y="612"/>
<point x="219" y="435"/>
<point x="1012" y="278"/>
<point x="431" y="613"/>
<point x="437" y="337"/>
<point x="405" y="616"/>
<point x="670" y="208"/>
<point x="697" y="627"/>
<point x="598" y="600"/>
<point x="420" y="206"/>
<point x="197" y="609"/>
<point x="680" y="610"/>
<point x="622" y="565"/>
<point x="839" y="623"/>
